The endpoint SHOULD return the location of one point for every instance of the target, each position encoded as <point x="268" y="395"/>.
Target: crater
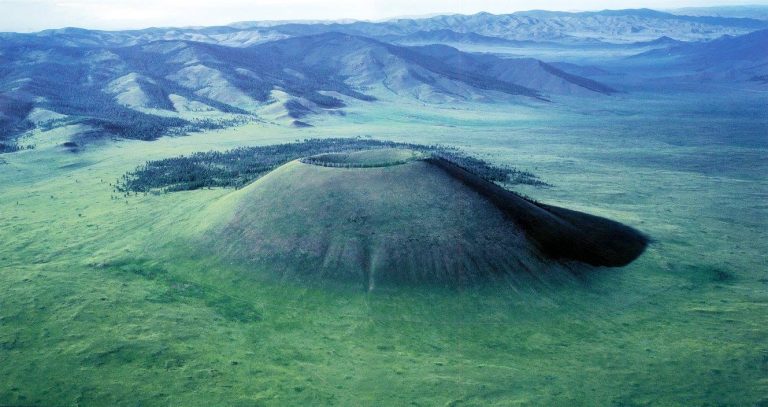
<point x="383" y="157"/>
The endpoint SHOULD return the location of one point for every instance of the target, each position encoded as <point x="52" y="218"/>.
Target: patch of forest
<point x="238" y="167"/>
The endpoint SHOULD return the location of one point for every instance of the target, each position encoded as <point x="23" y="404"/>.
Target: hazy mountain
<point x="366" y="63"/>
<point x="446" y="36"/>
<point x="622" y="26"/>
<point x="751" y="11"/>
<point x="609" y="25"/>
<point x="527" y="72"/>
<point x="727" y="58"/>
<point x="660" y="42"/>
<point x="146" y="83"/>
<point x="77" y="37"/>
<point x="144" y="91"/>
<point x="450" y="37"/>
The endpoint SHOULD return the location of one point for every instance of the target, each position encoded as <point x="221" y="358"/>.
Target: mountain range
<point x="614" y="26"/>
<point x="143" y="84"/>
<point x="747" y="11"/>
<point x="727" y="58"/>
<point x="144" y="91"/>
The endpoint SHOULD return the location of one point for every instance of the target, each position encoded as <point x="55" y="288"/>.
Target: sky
<point x="36" y="15"/>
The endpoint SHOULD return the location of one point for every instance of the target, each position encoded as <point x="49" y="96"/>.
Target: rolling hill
<point x="148" y="90"/>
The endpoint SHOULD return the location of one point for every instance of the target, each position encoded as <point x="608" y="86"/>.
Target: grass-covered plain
<point x="103" y="303"/>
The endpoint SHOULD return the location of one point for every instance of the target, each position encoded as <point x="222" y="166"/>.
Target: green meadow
<point x="106" y="302"/>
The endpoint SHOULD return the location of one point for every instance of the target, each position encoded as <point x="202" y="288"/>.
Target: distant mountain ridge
<point x="626" y="26"/>
<point x="757" y="12"/>
<point x="147" y="83"/>
<point x="734" y="58"/>
<point x="611" y="25"/>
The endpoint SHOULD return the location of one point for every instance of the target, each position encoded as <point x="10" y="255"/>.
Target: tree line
<point x="238" y="167"/>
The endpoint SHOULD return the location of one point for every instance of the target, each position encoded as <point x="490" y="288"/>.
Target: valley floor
<point x="103" y="304"/>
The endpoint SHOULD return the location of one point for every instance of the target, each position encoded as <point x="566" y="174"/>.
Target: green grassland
<point x="105" y="302"/>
